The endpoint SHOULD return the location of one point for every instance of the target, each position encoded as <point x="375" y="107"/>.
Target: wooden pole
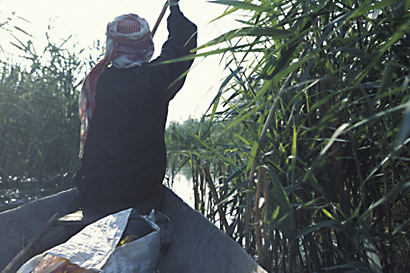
<point x="161" y="15"/>
<point x="11" y="267"/>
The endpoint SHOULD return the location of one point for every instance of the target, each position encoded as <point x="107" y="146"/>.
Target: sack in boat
<point x="54" y="264"/>
<point x="108" y="245"/>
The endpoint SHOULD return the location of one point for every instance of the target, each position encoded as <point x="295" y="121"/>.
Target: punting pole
<point x="11" y="267"/>
<point x="161" y="15"/>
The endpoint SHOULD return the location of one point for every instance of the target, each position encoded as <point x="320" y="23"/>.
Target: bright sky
<point x="87" y="20"/>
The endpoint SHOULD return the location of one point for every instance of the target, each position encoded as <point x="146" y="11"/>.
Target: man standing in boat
<point x="123" y="108"/>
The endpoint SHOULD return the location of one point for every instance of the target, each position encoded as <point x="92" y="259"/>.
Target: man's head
<point x="129" y="41"/>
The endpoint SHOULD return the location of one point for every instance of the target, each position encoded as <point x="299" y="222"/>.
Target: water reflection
<point x="182" y="187"/>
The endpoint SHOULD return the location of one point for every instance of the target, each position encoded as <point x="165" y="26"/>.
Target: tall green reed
<point x="39" y="116"/>
<point x="317" y="178"/>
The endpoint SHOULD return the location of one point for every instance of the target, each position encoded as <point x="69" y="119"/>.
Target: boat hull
<point x="197" y="245"/>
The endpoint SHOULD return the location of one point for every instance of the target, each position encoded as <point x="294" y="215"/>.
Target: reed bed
<point x="39" y="127"/>
<point x="314" y="176"/>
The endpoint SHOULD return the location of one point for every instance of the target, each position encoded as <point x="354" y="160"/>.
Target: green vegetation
<point x="39" y="125"/>
<point x="303" y="157"/>
<point x="318" y="177"/>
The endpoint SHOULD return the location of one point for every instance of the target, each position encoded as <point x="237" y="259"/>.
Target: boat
<point x="197" y="245"/>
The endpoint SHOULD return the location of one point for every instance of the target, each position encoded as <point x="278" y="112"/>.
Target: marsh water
<point x="182" y="186"/>
<point x="26" y="192"/>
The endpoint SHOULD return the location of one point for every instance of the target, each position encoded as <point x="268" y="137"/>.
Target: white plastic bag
<point x="95" y="247"/>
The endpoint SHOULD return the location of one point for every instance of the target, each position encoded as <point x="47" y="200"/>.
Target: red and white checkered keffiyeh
<point x="129" y="43"/>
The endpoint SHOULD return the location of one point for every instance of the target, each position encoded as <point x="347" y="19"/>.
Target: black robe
<point x="124" y="158"/>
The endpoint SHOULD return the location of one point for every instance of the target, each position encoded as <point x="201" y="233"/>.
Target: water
<point x="182" y="187"/>
<point x="14" y="197"/>
<point x="10" y="198"/>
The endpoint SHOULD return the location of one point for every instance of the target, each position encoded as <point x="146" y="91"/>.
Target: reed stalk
<point x="217" y="201"/>
<point x="258" y="233"/>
